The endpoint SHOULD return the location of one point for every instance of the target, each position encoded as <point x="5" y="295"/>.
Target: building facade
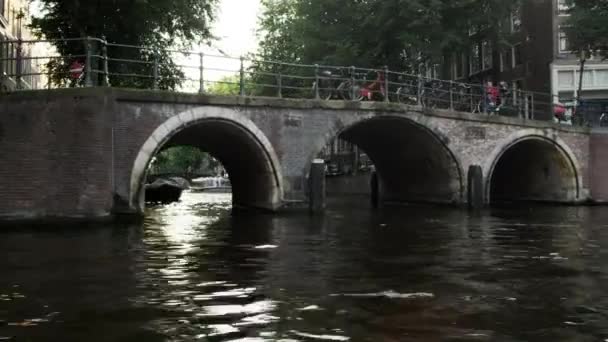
<point x="14" y="18"/>
<point x="534" y="57"/>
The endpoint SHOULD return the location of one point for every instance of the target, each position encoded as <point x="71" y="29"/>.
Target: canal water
<point x="193" y="272"/>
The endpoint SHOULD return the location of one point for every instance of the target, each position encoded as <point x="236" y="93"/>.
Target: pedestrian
<point x="491" y="97"/>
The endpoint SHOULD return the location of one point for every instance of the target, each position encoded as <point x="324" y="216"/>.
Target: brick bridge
<point x="83" y="153"/>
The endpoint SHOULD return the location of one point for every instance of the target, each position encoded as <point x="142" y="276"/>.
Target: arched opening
<point x="533" y="169"/>
<point x="412" y="163"/>
<point x="246" y="156"/>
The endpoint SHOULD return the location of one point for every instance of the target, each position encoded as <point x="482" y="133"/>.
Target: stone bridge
<point x="83" y="153"/>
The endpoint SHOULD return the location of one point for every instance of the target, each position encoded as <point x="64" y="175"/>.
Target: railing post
<point x="352" y="83"/>
<point x="105" y="81"/>
<point x="526" y="107"/>
<point x="386" y="84"/>
<point x="420" y="90"/>
<point x="19" y="65"/>
<point x="451" y="85"/>
<point x="88" y="80"/>
<point x="532" y="111"/>
<point x="201" y="86"/>
<point x="317" y="81"/>
<point x="155" y="72"/>
<point x="471" y="94"/>
<point x="280" y="85"/>
<point x="242" y="77"/>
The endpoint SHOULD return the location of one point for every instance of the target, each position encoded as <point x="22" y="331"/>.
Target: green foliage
<point x="158" y="24"/>
<point x="588" y="26"/>
<point x="183" y="159"/>
<point x="228" y="85"/>
<point x="374" y="33"/>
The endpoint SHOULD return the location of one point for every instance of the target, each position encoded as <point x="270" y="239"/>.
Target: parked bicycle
<point x="332" y="85"/>
<point x="407" y="93"/>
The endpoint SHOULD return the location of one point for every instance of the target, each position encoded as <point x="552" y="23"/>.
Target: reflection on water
<point x="194" y="272"/>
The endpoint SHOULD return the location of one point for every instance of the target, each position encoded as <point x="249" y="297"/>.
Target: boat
<point x="165" y="190"/>
<point x="212" y="184"/>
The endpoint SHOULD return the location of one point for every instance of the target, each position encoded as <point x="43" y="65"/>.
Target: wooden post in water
<point x="376" y="189"/>
<point x="317" y="186"/>
<point x="475" y="188"/>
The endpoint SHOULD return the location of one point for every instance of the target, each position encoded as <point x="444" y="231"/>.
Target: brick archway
<point x="255" y="173"/>
<point x="545" y="162"/>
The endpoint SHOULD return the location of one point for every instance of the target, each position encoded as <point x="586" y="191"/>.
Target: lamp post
<point x="583" y="59"/>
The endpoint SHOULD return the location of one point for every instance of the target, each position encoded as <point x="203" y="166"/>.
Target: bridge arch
<point x="243" y="149"/>
<point x="533" y="165"/>
<point x="412" y="159"/>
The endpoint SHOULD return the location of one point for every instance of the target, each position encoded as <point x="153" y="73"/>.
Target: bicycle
<point x="462" y="97"/>
<point x="407" y="93"/>
<point x="431" y="94"/>
<point x="333" y="86"/>
<point x="604" y="120"/>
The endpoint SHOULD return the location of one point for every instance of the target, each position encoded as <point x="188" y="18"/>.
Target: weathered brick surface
<point x="71" y="153"/>
<point x="599" y="166"/>
<point x="54" y="158"/>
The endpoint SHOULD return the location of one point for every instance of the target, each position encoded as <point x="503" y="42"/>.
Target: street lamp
<point x="583" y="59"/>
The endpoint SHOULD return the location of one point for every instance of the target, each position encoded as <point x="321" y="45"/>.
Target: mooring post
<point x="475" y="187"/>
<point x="376" y="190"/>
<point x="317" y="186"/>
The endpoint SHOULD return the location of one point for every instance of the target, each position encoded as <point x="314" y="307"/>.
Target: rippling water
<point x="193" y="272"/>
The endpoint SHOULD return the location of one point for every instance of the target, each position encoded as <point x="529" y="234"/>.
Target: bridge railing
<point x="87" y="62"/>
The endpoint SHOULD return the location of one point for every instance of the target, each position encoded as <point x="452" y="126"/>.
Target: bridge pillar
<point x="475" y="187"/>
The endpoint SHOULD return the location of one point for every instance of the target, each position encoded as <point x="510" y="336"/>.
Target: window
<point x="516" y="20"/>
<point x="517" y="55"/>
<point x="601" y="77"/>
<point x="475" y="59"/>
<point x="565" y="79"/>
<point x="506" y="60"/>
<point x="2" y="7"/>
<point x="564" y="45"/>
<point x="486" y="49"/>
<point x="459" y="66"/>
<point x="563" y="7"/>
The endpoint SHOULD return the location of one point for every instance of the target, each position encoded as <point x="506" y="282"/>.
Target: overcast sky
<point x="236" y="26"/>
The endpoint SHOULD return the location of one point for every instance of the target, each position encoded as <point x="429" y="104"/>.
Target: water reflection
<point x="194" y="272"/>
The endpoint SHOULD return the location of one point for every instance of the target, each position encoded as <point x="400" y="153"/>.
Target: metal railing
<point x="32" y="64"/>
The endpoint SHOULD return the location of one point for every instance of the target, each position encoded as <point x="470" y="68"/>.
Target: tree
<point x="157" y="24"/>
<point x="587" y="28"/>
<point x="183" y="159"/>
<point x="401" y="34"/>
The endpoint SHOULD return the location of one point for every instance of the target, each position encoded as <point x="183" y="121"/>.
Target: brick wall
<point x="599" y="166"/>
<point x="55" y="158"/>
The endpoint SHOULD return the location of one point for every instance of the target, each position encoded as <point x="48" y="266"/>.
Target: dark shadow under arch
<point x="533" y="169"/>
<point x="413" y="162"/>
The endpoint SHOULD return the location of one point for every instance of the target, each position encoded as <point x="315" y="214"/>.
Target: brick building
<point x="14" y="16"/>
<point x="535" y="57"/>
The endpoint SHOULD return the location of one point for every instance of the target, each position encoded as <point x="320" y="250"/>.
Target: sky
<point x="236" y="25"/>
<point x="235" y="29"/>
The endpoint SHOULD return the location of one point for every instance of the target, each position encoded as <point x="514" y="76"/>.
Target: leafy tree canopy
<point x="397" y="33"/>
<point x="588" y="26"/>
<point x="159" y="24"/>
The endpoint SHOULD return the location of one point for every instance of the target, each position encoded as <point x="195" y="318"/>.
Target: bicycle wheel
<point x="404" y="95"/>
<point x="325" y="93"/>
<point x="345" y="92"/>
